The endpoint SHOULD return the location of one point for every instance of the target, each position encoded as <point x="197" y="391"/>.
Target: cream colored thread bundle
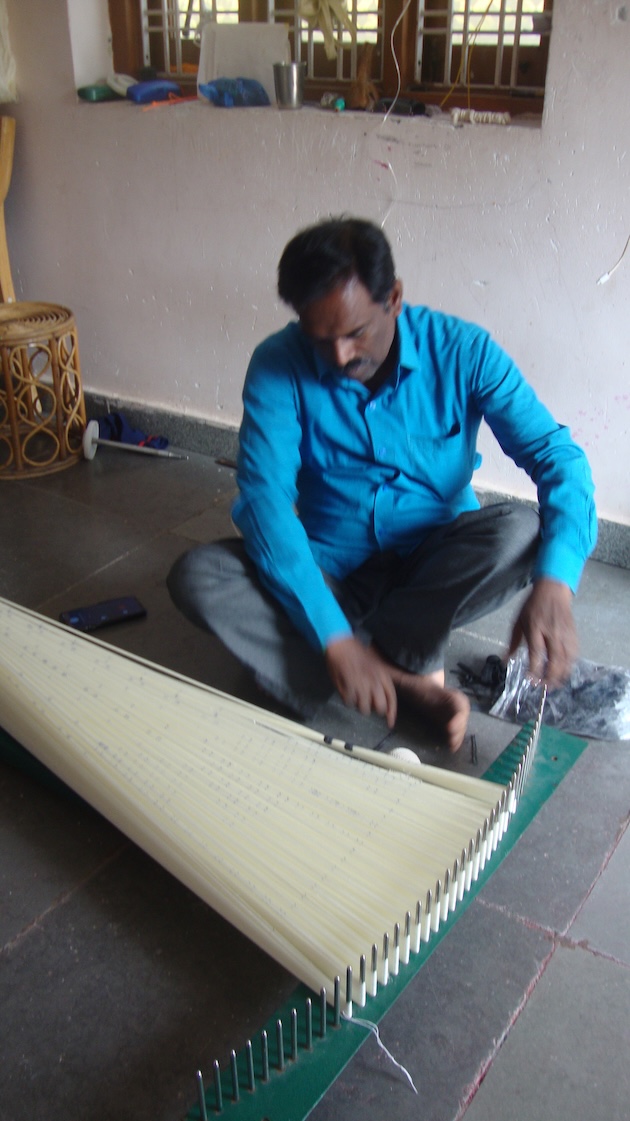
<point x="308" y="851"/>
<point x="479" y="117"/>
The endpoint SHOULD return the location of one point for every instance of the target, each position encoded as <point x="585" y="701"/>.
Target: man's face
<point x="350" y="331"/>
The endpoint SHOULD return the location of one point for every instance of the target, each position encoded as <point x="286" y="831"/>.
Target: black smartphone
<point x="104" y="614"/>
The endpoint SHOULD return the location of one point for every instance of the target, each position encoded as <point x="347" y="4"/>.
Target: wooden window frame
<point x="128" y="56"/>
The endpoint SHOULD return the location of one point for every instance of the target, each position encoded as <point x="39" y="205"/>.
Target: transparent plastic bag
<point x="594" y="702"/>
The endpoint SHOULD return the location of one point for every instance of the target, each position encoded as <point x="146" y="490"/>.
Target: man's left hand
<point x="547" y="626"/>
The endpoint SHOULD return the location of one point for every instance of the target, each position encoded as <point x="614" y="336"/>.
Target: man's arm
<point x="264" y="512"/>
<point x="530" y="435"/>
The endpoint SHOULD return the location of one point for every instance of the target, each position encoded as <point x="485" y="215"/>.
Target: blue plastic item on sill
<point x="143" y="93"/>
<point x="229" y="92"/>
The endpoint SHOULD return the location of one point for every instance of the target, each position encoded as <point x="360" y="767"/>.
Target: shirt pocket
<point x="441" y="460"/>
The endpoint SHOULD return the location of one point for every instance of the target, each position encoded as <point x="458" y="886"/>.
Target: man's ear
<point x="394" y="301"/>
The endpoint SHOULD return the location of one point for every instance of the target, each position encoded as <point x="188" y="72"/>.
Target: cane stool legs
<point x="42" y="411"/>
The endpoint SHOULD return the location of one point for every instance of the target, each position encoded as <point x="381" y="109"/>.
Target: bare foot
<point x="448" y="709"/>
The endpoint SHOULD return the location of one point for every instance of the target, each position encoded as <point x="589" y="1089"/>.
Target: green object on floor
<point x="291" y="1093"/>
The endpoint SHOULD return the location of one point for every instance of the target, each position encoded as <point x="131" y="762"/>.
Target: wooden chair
<point x="7" y="140"/>
<point x="42" y="411"/>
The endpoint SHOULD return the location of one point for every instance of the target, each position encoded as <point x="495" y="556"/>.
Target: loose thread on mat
<point x="374" y="1029"/>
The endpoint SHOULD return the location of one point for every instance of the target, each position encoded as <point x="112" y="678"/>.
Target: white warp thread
<point x="374" y="1029"/>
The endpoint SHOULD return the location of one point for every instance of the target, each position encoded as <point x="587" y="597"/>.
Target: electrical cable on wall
<point x="395" y="58"/>
<point x="458" y="116"/>
<point x="387" y="164"/>
<point x="605" y="277"/>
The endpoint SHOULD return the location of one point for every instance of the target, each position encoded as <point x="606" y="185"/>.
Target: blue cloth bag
<point x="115" y="426"/>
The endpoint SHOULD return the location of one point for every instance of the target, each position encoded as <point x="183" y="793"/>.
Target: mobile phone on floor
<point x="104" y="614"/>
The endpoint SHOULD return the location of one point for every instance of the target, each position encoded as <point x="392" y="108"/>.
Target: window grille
<point x="169" y="26"/>
<point x="171" y="29"/>
<point x="487" y="46"/>
<point x="498" y="45"/>
<point x="366" y="16"/>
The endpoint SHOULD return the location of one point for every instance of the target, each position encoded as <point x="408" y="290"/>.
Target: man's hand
<point x="362" y="678"/>
<point x="546" y="624"/>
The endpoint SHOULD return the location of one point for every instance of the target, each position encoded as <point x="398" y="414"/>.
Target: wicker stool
<point x="42" y="411"/>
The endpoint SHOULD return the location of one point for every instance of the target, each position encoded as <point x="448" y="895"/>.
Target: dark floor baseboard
<point x="214" y="440"/>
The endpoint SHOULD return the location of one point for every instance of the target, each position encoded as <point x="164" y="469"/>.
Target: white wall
<point x="161" y="229"/>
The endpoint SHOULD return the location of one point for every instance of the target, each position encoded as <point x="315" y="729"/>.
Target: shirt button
<point x="372" y="406"/>
<point x="382" y="451"/>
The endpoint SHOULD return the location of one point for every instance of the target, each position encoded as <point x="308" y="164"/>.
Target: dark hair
<point x="322" y="256"/>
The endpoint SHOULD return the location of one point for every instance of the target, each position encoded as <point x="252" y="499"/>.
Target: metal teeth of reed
<point x="201" y="1096"/>
<point x="405" y="951"/>
<point x="240" y="1080"/>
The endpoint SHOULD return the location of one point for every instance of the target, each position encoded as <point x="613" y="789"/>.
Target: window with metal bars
<point x="170" y="32"/>
<point x="499" y="46"/>
<point x="477" y="53"/>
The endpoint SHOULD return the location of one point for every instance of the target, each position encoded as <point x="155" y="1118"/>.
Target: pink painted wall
<point x="161" y="229"/>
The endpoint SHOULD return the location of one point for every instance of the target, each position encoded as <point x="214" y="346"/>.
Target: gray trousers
<point x="407" y="606"/>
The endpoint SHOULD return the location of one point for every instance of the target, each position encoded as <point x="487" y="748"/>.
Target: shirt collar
<point x="408" y="356"/>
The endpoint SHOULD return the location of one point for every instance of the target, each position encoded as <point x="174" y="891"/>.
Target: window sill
<point x="433" y="114"/>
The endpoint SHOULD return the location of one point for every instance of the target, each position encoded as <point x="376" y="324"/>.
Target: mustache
<point x="354" y="365"/>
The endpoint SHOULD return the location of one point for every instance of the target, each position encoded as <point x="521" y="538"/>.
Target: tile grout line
<point x="529" y="924"/>
<point x="606" y="861"/>
<point x="556" y="936"/>
<point x="61" y="900"/>
<point x="486" y="1064"/>
<point x="559" y="941"/>
<point x="94" y="572"/>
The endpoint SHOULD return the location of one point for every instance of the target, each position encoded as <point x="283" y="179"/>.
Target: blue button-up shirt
<point x="330" y="473"/>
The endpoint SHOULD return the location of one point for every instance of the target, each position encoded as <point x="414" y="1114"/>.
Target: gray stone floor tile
<point x="208" y="526"/>
<point x="141" y="491"/>
<point x="141" y="572"/>
<point x="566" y="1058"/>
<point x="445" y="1026"/>
<point x="562" y="851"/>
<point x="50" y="845"/>
<point x="602" y="613"/>
<point x="164" y="636"/>
<point x="49" y="543"/>
<point x="117" y="997"/>
<point x="603" y="923"/>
